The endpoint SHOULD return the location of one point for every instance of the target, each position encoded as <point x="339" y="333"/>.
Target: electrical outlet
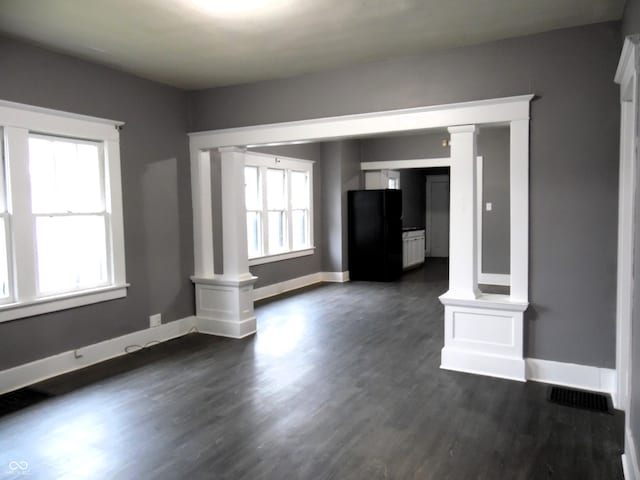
<point x="155" y="320"/>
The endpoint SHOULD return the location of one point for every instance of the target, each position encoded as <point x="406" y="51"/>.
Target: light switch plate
<point x="489" y="206"/>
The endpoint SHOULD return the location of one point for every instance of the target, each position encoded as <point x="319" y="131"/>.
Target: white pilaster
<point x="463" y="249"/>
<point x="202" y="215"/>
<point x="234" y="225"/>
<point x="519" y="216"/>
<point x="224" y="303"/>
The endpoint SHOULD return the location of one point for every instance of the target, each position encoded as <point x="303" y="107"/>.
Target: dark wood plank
<point x="341" y="382"/>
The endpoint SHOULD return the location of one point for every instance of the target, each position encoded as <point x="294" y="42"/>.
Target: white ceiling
<point x="194" y="44"/>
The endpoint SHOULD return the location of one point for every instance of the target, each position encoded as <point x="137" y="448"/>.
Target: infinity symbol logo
<point x="15" y="466"/>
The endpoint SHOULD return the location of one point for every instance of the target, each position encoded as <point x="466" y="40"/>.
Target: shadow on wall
<point x="161" y="206"/>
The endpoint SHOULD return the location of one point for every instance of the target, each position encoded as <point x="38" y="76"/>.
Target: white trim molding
<point x="403" y="164"/>
<point x="629" y="458"/>
<point x="495" y="110"/>
<point x="484" y="336"/>
<point x="335" y="277"/>
<point x="281" y="256"/>
<point x="585" y="377"/>
<point x="224" y="306"/>
<point x="627" y="78"/>
<point x="299" y="282"/>
<point x="39" y="370"/>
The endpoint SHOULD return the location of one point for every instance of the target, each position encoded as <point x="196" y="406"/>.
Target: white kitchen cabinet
<point x="381" y="179"/>
<point x="412" y="248"/>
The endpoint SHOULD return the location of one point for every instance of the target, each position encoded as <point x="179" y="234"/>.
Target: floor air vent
<point x="19" y="399"/>
<point x="580" y="399"/>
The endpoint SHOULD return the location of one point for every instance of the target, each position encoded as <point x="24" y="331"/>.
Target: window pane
<point x="65" y="176"/>
<point x="254" y="235"/>
<point x="300" y="225"/>
<point x="299" y="190"/>
<point x="4" y="268"/>
<point x="277" y="232"/>
<point x="72" y="252"/>
<point x="251" y="188"/>
<point x="276" y="195"/>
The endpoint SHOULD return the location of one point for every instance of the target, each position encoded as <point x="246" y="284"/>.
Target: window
<point x="61" y="235"/>
<point x="278" y="199"/>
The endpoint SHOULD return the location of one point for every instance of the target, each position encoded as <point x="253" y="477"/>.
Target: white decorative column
<point x="519" y="210"/>
<point x="483" y="333"/>
<point x="224" y="303"/>
<point x="463" y="244"/>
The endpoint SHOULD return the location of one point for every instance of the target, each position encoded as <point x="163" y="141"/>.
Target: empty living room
<point x="284" y="239"/>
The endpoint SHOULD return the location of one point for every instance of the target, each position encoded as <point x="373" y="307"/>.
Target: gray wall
<point x="275" y="272"/>
<point x="493" y="145"/>
<point x="156" y="194"/>
<point x="631" y="18"/>
<point x="341" y="173"/>
<point x="574" y="145"/>
<point x="405" y="147"/>
<point x="331" y="206"/>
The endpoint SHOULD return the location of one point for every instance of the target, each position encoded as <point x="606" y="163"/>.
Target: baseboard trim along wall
<point x="573" y="375"/>
<point x="38" y="370"/>
<point x="299" y="282"/>
<point x="629" y="458"/>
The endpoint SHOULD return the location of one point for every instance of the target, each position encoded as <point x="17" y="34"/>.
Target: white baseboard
<point x="286" y="286"/>
<point x="226" y="328"/>
<point x="299" y="282"/>
<point x="573" y="375"/>
<point x="335" y="277"/>
<point x="630" y="458"/>
<point x="38" y="370"/>
<point x="502" y="279"/>
<point x="480" y="363"/>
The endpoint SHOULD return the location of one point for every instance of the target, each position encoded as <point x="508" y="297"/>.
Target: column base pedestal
<point x="224" y="306"/>
<point x="484" y="336"/>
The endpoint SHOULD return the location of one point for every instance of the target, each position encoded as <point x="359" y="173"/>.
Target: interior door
<point x="438" y="216"/>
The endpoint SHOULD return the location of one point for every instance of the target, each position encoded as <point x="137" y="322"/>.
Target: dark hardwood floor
<point x="341" y="382"/>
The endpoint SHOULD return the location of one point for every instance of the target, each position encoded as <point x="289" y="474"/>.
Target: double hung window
<point x="278" y="199"/>
<point x="61" y="233"/>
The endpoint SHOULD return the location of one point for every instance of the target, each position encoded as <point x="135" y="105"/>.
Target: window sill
<point x="13" y="311"/>
<point x="281" y="256"/>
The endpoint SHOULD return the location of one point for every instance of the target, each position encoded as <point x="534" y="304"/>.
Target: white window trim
<point x="18" y="121"/>
<point x="256" y="159"/>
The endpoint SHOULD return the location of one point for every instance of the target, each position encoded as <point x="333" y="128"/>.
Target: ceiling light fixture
<point x="239" y="7"/>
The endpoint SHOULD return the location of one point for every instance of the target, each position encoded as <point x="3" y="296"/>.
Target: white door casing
<point x="627" y="78"/>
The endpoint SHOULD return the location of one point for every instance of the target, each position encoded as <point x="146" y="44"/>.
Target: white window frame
<point x="267" y="161"/>
<point x="18" y="122"/>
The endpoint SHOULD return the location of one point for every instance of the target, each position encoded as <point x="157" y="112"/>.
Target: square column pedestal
<point x="484" y="336"/>
<point x="225" y="306"/>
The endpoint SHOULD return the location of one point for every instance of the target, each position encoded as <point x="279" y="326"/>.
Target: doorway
<point x="437" y="221"/>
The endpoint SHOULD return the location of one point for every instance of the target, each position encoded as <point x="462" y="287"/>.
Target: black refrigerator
<point x="375" y="234"/>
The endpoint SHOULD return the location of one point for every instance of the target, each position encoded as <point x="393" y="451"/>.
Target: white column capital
<point x="232" y="149"/>
<point x="463" y="129"/>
